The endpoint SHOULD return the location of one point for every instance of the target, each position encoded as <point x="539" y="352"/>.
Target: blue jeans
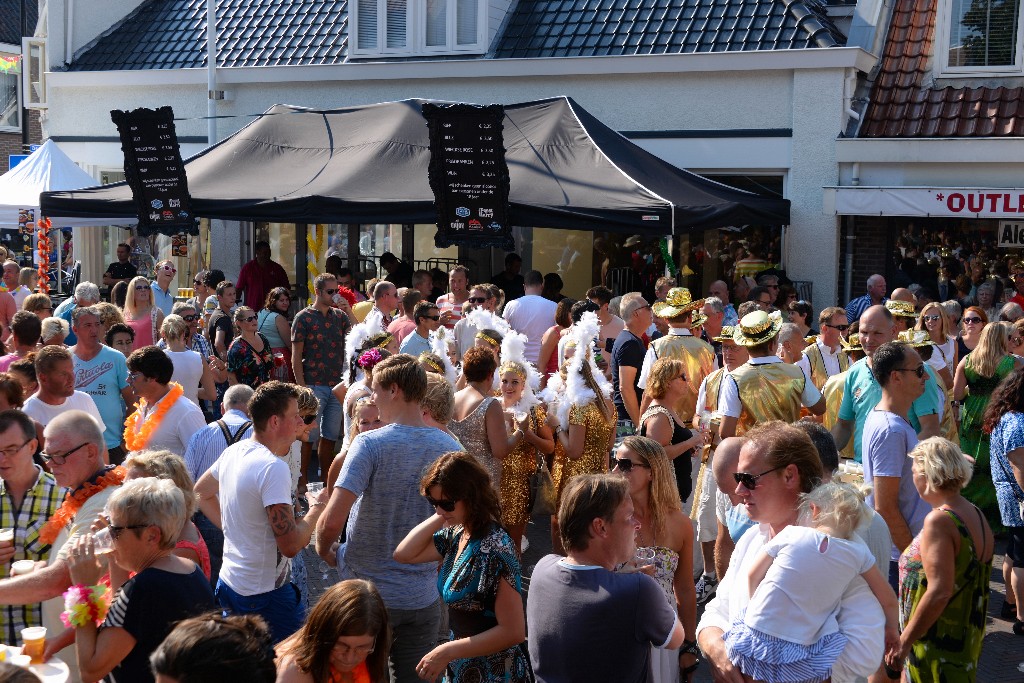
<point x="329" y="414"/>
<point x="280" y="608"/>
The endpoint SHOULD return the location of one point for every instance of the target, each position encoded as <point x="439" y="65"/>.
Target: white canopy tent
<point x="47" y="169"/>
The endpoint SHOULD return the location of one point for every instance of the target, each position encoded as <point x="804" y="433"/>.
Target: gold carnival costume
<point x="594" y="459"/>
<point x="819" y="374"/>
<point x="516" y="469"/>
<point x="696" y="355"/>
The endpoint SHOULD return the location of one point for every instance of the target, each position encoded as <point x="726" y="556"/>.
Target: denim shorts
<point x="329" y="414"/>
<point x="281" y="608"/>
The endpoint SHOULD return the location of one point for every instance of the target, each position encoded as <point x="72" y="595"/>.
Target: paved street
<point x="1002" y="654"/>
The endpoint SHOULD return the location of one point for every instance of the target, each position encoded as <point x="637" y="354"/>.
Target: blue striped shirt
<point x="206" y="445"/>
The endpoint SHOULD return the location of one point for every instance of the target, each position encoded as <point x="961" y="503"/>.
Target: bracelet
<point x="84" y="604"/>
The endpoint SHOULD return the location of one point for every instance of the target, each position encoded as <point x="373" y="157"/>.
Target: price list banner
<point x="469" y="175"/>
<point x="154" y="170"/>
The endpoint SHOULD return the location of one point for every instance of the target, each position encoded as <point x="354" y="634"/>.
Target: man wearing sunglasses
<point x="825" y="357"/>
<point x="427" y="319"/>
<point x="163" y="295"/>
<point x="465" y="331"/>
<point x="887" y="439"/>
<point x="76" y="456"/>
<point x="861" y="391"/>
<point x="149" y="375"/>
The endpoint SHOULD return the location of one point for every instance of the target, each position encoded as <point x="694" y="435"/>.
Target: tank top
<point x="144" y="329"/>
<point x="266" y="323"/>
<point x="682" y="464"/>
<point x="188" y="371"/>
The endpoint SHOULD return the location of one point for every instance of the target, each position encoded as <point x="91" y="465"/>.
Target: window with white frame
<point x="980" y="37"/>
<point x="10" y="100"/>
<point x="383" y="28"/>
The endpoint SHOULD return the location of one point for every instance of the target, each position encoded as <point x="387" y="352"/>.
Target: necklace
<point x="137" y="436"/>
<point x="73" y="502"/>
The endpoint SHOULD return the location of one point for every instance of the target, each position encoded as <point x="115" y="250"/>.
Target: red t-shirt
<point x="257" y="281"/>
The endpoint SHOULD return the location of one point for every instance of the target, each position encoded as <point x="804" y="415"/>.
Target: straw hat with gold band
<point x="852" y="343"/>
<point x="676" y="303"/>
<point x="726" y="335"/>
<point x="697" y="319"/>
<point x="901" y="309"/>
<point x="915" y="338"/>
<point x="757" y="328"/>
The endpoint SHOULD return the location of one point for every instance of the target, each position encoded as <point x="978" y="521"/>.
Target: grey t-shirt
<point x="886" y="440"/>
<point x="602" y="627"/>
<point x="383" y="469"/>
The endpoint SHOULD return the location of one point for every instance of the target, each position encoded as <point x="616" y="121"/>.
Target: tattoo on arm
<point x="282" y="519"/>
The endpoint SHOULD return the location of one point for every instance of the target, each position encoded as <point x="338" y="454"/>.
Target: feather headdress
<point x="439" y="345"/>
<point x="513" y="350"/>
<point x="483" y="319"/>
<point x="583" y="335"/>
<point x="354" y="341"/>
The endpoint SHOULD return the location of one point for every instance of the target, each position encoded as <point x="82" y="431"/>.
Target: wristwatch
<point x="690" y="648"/>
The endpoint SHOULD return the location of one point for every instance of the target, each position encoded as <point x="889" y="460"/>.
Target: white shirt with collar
<point x="830" y="358"/>
<point x="729" y="404"/>
<point x="650" y="356"/>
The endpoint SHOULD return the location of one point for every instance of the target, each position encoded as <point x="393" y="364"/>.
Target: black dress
<point x="683" y="464"/>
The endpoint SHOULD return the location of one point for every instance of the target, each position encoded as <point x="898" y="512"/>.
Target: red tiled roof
<point x="903" y="106"/>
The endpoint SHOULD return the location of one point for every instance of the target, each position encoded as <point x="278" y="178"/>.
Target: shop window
<point x="980" y="37"/>
<point x="403" y="27"/>
<point x="569" y="253"/>
<point x="10" y="91"/>
<point x="427" y="255"/>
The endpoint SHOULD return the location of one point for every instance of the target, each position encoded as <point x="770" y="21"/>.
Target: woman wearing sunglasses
<point x="776" y="465"/>
<point x="479" y="579"/>
<point x="663" y="527"/>
<point x="976" y="378"/>
<point x="250" y="359"/>
<point x="141" y="314"/>
<point x="272" y="323"/>
<point x="971" y="325"/>
<point x="146" y="519"/>
<point x="936" y="323"/>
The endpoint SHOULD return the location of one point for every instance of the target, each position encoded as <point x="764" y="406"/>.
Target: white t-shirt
<point x="251" y="479"/>
<point x="188" y="371"/>
<point x="531" y="315"/>
<point x="179" y="424"/>
<point x="44" y="412"/>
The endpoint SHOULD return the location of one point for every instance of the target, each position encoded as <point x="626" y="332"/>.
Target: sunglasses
<point x="190" y="318"/>
<point x="626" y="465"/>
<point x="444" y="504"/>
<point x="971" y="321"/>
<point x="141" y="288"/>
<point x="841" y="328"/>
<point x="308" y="419"/>
<point x="247" y="319"/>
<point x="169" y="269"/>
<point x="330" y="292"/>
<point x="197" y="283"/>
<point x="432" y="317"/>
<point x="932" y="318"/>
<point x="477" y="299"/>
<point x="749" y="480"/>
<point x="919" y="370"/>
<point x="115" y="531"/>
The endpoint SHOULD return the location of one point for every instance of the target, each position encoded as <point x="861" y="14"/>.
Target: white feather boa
<point x="575" y="391"/>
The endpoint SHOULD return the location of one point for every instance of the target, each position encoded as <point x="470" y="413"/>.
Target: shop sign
<point x="469" y="175"/>
<point x="1011" y="234"/>
<point x="931" y="201"/>
<point x="155" y="171"/>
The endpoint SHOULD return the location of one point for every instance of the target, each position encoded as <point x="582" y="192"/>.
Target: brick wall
<point x="871" y="249"/>
<point x="10" y="143"/>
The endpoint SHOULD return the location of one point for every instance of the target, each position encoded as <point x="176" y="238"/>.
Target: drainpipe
<point x="850" y="240"/>
<point x="211" y="72"/>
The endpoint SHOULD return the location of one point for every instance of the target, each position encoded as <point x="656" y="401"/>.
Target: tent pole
<point x="211" y="71"/>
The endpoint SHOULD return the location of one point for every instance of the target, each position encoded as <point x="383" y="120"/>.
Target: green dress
<point x="949" y="650"/>
<point x="975" y="443"/>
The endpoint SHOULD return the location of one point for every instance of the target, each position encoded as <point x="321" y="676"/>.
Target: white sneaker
<point x="705" y="588"/>
<point x="525" y="545"/>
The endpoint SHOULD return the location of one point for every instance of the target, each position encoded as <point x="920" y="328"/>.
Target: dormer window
<point x="980" y="38"/>
<point x="398" y="28"/>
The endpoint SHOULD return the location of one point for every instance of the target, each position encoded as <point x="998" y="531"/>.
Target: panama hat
<point x="915" y="338"/>
<point x="676" y="303"/>
<point x="726" y="334"/>
<point x="757" y="328"/>
<point x="902" y="309"/>
<point x="852" y="343"/>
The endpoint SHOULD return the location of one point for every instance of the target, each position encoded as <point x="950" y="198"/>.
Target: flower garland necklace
<point x="136" y="437"/>
<point x="73" y="503"/>
<point x="361" y="674"/>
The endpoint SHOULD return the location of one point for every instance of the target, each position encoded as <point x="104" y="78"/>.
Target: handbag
<point x="542" y="490"/>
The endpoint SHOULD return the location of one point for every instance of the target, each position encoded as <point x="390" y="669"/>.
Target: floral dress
<point x="975" y="443"/>
<point x="468" y="583"/>
<point x="665" y="662"/>
<point x="250" y="366"/>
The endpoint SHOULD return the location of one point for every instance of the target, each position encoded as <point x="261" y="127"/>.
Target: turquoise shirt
<point x="861" y="393"/>
<point x="103" y="378"/>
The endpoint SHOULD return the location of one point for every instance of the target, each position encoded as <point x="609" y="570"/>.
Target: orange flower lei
<point x="73" y="503"/>
<point x="360" y="674"/>
<point x="136" y="437"/>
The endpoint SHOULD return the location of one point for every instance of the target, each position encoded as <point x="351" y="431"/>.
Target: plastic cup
<point x="34" y="643"/>
<point x="314" y="486"/>
<point x="644" y="556"/>
<point x="278" y="359"/>
<point x="103" y="542"/>
<point x="20" y="660"/>
<point x="7" y="536"/>
<point x="23" y="567"/>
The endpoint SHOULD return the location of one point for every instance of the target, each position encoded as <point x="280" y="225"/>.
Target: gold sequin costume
<point x="768" y="391"/>
<point x="698" y="358"/>
<point x="832" y="391"/>
<point x="819" y="375"/>
<point x="516" y="469"/>
<point x="594" y="459"/>
<point x="472" y="434"/>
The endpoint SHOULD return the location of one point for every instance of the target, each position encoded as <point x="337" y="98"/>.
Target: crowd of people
<point x="166" y="462"/>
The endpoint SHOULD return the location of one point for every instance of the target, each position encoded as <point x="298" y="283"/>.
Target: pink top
<point x="552" y="367"/>
<point x="5" y="361"/>
<point x="199" y="549"/>
<point x="143" y="329"/>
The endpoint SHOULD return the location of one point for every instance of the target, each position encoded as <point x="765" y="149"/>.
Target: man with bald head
<point x="862" y="392"/>
<point x="732" y="515"/>
<point x="903" y="294"/>
<point x="719" y="289"/>
<point x="874" y="297"/>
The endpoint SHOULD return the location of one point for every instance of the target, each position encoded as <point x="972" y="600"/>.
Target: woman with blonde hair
<point x="110" y="315"/>
<point x="935" y="322"/>
<point x="250" y="359"/>
<point x="944" y="573"/>
<point x="664" y="528"/>
<point x="977" y="376"/>
<point x="346" y="637"/>
<point x="141" y="313"/>
<point x="666" y="385"/>
<point x="191" y="370"/>
<point x="39" y="304"/>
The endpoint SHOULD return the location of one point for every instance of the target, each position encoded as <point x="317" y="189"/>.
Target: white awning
<point x="955" y="202"/>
